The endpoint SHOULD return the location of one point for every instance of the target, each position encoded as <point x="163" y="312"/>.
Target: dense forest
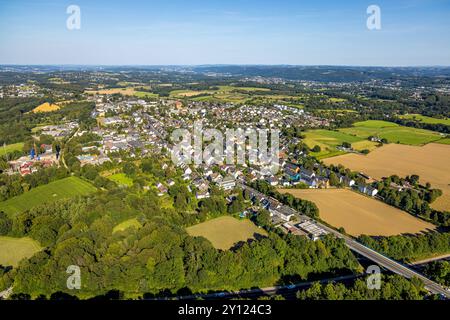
<point x="439" y="271"/>
<point x="159" y="256"/>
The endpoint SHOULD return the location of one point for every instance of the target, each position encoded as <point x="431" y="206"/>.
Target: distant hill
<point x="320" y="73"/>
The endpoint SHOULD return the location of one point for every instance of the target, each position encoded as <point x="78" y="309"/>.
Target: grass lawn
<point x="12" y="250"/>
<point x="392" y="132"/>
<point x="10" y="148"/>
<point x="60" y="189"/>
<point x="224" y="232"/>
<point x="121" y="179"/>
<point x="425" y="119"/>
<point x="130" y="223"/>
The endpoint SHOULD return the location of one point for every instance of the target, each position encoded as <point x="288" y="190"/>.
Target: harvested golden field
<point x="46" y="107"/>
<point x="225" y="232"/>
<point x="193" y="93"/>
<point x="124" y="91"/>
<point x="431" y="162"/>
<point x="359" y="214"/>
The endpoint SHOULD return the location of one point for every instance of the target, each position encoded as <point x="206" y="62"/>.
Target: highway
<point x="388" y="263"/>
<point x="258" y="292"/>
<point x="366" y="252"/>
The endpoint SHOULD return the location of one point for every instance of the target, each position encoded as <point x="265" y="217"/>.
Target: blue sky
<point x="138" y="32"/>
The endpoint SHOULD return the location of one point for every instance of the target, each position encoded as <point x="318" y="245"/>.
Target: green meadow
<point x="10" y="148"/>
<point x="13" y="250"/>
<point x="328" y="140"/>
<point x="121" y="179"/>
<point x="143" y="94"/>
<point x="425" y="119"/>
<point x="358" y="136"/>
<point x="393" y="132"/>
<point x="60" y="189"/>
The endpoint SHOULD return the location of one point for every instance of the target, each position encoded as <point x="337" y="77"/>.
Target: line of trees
<point x="393" y="287"/>
<point x="415" y="200"/>
<point x="409" y="247"/>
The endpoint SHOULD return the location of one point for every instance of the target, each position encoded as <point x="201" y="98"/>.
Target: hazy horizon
<point x="221" y="64"/>
<point x="201" y="32"/>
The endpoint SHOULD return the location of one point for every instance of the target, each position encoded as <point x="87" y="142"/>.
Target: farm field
<point x="131" y="223"/>
<point x="46" y="107"/>
<point x="223" y="93"/>
<point x="10" y="148"/>
<point x="128" y="83"/>
<point x="13" y="250"/>
<point x="359" y="214"/>
<point x="392" y="132"/>
<point x="338" y="111"/>
<point x="365" y="145"/>
<point x="337" y="99"/>
<point x="328" y="140"/>
<point x="60" y="189"/>
<point x="220" y="90"/>
<point x="126" y="92"/>
<point x="121" y="179"/>
<point x="224" y="232"/>
<point x="430" y="162"/>
<point x="57" y="80"/>
<point x="425" y="119"/>
<point x="144" y="94"/>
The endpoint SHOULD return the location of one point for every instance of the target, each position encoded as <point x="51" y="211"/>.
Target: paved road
<point x="286" y="289"/>
<point x="389" y="264"/>
<point x="370" y="254"/>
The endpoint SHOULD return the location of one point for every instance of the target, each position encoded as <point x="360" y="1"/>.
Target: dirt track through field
<point x="359" y="214"/>
<point x="431" y="162"/>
